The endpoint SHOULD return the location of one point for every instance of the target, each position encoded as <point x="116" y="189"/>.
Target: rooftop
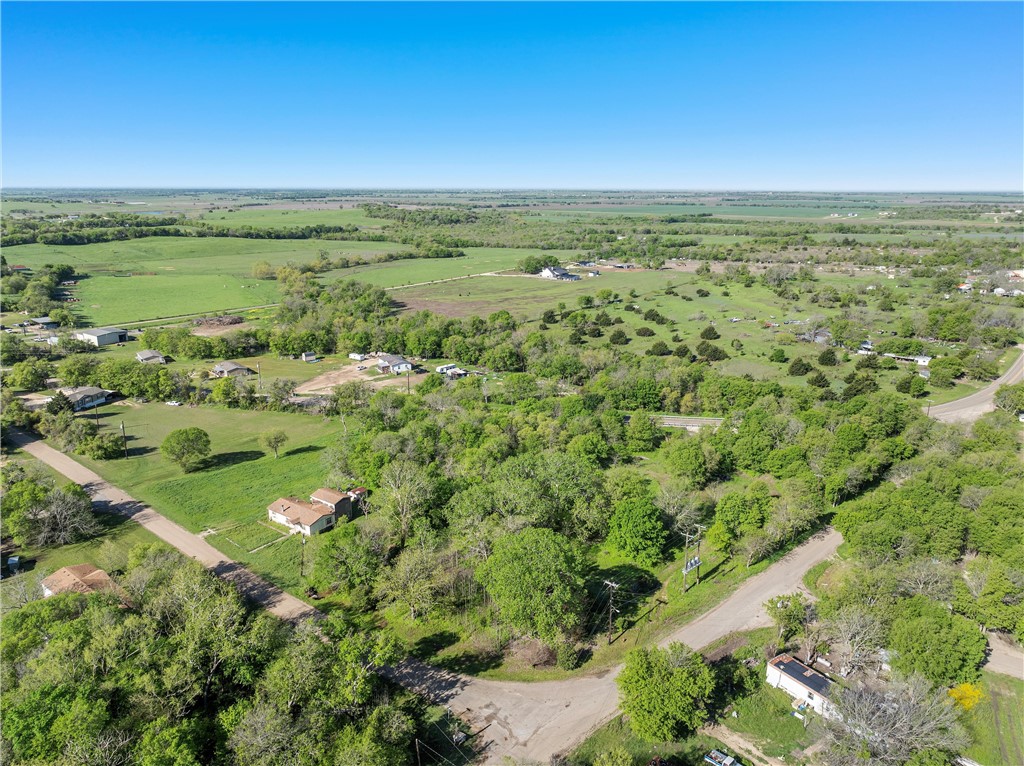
<point x="98" y="331"/>
<point x="802" y="674"/>
<point x="81" y="578"/>
<point x="298" y="511"/>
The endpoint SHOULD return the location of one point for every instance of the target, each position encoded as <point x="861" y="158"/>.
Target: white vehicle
<point x="173" y="404"/>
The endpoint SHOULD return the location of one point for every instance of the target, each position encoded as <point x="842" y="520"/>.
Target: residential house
<point x="103" y="336"/>
<point x="230" y="370"/>
<point x="340" y="503"/>
<point x="396" y="365"/>
<point x="81" y="578"/>
<point x="301" y="517"/>
<point x="149" y="356"/>
<point x="84" y="397"/>
<point x="44" y="323"/>
<point x="804" y="684"/>
<point x="557" y="272"/>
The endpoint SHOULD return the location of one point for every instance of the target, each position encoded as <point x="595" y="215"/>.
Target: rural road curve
<point x="977" y="404"/>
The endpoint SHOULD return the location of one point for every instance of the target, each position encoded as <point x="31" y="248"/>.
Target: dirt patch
<point x="208" y="331"/>
<point x="445" y="308"/>
<point x="322" y="384"/>
<point x="730" y="646"/>
<point x="126" y="403"/>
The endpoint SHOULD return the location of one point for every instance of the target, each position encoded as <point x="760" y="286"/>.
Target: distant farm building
<point x="103" y="336"/>
<point x="81" y="578"/>
<point x="803" y="684"/>
<point x="396" y="365"/>
<point x="149" y="356"/>
<point x="230" y="370"/>
<point x="301" y="517"/>
<point x="309" y="356"/>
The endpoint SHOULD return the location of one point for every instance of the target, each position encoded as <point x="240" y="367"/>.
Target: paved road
<point x="972" y="407"/>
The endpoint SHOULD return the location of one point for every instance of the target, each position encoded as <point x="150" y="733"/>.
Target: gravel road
<point x="972" y="407"/>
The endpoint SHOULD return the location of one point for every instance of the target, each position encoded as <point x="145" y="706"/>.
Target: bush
<point x="710" y="333"/>
<point x="827" y="358"/>
<point x="618" y="338"/>
<point x="711" y="352"/>
<point x="778" y="356"/>
<point x="799" y="367"/>
<point x="102" y="447"/>
<point x="702" y="293"/>
<point x="645" y="332"/>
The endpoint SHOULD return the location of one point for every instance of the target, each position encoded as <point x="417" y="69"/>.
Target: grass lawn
<point x="616" y="734"/>
<point x="766" y="717"/>
<point x="241" y="479"/>
<point x="995" y="724"/>
<point x="268" y="218"/>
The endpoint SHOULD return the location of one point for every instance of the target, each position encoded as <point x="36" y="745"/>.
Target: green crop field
<point x="995" y="724"/>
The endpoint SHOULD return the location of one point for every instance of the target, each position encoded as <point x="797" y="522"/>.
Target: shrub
<point x="710" y="333"/>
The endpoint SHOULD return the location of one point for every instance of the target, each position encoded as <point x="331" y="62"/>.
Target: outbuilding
<point x="149" y="356"/>
<point x="230" y="370"/>
<point x="338" y="502"/>
<point x="103" y="336"/>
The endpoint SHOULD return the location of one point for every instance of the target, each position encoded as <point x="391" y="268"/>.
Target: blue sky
<point x="860" y="96"/>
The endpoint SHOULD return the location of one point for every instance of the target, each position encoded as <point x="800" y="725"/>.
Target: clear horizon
<point x="691" y="97"/>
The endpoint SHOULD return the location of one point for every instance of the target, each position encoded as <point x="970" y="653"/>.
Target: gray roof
<point x="43" y="320"/>
<point x="228" y="366"/>
<point x="98" y="331"/>
<point x="148" y="354"/>
<point x="80" y="392"/>
<point x="391" y="360"/>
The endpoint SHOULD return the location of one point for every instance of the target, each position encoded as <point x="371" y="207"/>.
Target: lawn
<point x="766" y="717"/>
<point x="269" y="218"/>
<point x="995" y="724"/>
<point x="616" y="734"/>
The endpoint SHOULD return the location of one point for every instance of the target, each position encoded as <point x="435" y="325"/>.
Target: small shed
<point x="309" y="356"/>
<point x="149" y="356"/>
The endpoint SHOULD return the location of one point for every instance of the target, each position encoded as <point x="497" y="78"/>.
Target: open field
<point x="271" y="218"/>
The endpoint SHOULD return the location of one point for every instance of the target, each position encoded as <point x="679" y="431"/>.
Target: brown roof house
<point x="339" y="502"/>
<point x="302" y="517"/>
<point x="81" y="578"/>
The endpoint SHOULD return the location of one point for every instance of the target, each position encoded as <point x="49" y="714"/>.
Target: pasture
<point x="274" y="218"/>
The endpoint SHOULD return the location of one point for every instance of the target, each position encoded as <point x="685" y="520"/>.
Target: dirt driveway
<point x="322" y="384"/>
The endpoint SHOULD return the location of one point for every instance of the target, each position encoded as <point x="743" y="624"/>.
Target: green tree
<point x="274" y="440"/>
<point x="642" y="434"/>
<point x="636" y="530"/>
<point x="944" y="648"/>
<point x="30" y="375"/>
<point x="58" y="403"/>
<point x="536" y="579"/>
<point x="665" y="692"/>
<point x="187" y="447"/>
<point x="710" y="333"/>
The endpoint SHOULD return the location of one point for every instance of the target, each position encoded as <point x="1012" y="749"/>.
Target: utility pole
<point x="124" y="440"/>
<point x="418" y="761"/>
<point x="700" y="529"/>
<point x="928" y="414"/>
<point x="612" y="587"/>
<point x="408" y="381"/>
<point x="686" y="561"/>
<point x="259" y="376"/>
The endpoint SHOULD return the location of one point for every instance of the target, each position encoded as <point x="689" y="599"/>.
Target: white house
<point x="557" y="272"/>
<point x="444" y="368"/>
<point x="103" y="336"/>
<point x="357" y="357"/>
<point x="393" y="364"/>
<point x="301" y="517"/>
<point x="802" y="683"/>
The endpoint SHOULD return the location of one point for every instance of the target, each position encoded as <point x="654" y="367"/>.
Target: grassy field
<point x="171" y="276"/>
<point x="268" y="218"/>
<point x="616" y="734"/>
<point x="995" y="723"/>
<point x="241" y="479"/>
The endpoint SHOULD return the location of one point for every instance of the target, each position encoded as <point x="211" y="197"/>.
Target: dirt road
<point x="256" y="588"/>
<point x="972" y="407"/>
<point x="524" y="721"/>
<point x="533" y="721"/>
